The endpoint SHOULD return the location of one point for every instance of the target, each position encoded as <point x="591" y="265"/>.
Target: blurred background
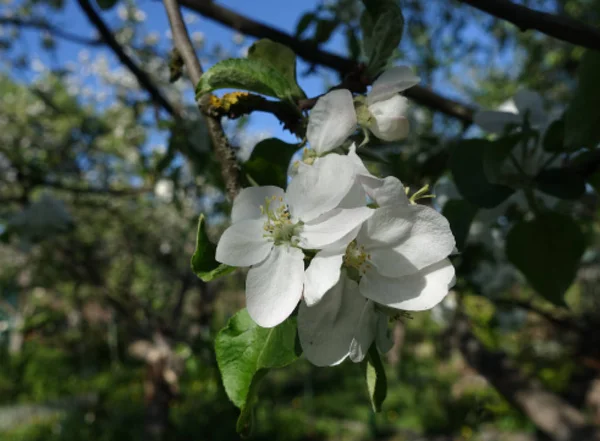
<point x="107" y="335"/>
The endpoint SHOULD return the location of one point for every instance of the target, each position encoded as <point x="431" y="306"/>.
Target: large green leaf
<point x="495" y="155"/>
<point x="245" y="74"/>
<point x="460" y="213"/>
<point x="582" y="119"/>
<point x="245" y="352"/>
<point x="554" y="137"/>
<point x="547" y="250"/>
<point x="269" y="162"/>
<point x="382" y="24"/>
<point x="376" y="379"/>
<point x="561" y="183"/>
<point x="280" y="58"/>
<point x="467" y="166"/>
<point x="203" y="262"/>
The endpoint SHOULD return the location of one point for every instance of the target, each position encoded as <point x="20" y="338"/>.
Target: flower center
<point x="278" y="226"/>
<point x="356" y="261"/>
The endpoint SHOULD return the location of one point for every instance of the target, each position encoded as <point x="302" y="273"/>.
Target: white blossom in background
<point x="270" y="228"/>
<point x="525" y="102"/>
<point x="164" y="190"/>
<point x="387" y="109"/>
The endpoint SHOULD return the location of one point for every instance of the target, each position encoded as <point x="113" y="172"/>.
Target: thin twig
<point x="223" y="152"/>
<point x="51" y="29"/>
<point x="562" y="28"/>
<point x="142" y="77"/>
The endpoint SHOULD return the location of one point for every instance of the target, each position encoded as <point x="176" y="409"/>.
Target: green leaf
<point x="245" y="74"/>
<point x="495" y="154"/>
<point x="324" y="30"/>
<point x="245" y="352"/>
<point x="460" y="214"/>
<point x="582" y="119"/>
<point x="376" y="379"/>
<point x="547" y="250"/>
<point x="106" y="4"/>
<point x="382" y="24"/>
<point x="305" y="21"/>
<point x="203" y="262"/>
<point x="561" y="183"/>
<point x="554" y="138"/>
<point x="466" y="164"/>
<point x="269" y="162"/>
<point x="280" y="58"/>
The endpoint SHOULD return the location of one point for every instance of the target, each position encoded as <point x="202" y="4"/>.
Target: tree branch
<point x="223" y="152"/>
<point x="142" y="77"/>
<point x="550" y="413"/>
<point x="562" y="28"/>
<point x="58" y="32"/>
<point x="311" y="53"/>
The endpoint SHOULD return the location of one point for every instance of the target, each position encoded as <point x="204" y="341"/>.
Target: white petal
<point x="364" y="333"/>
<point x="392" y="81"/>
<point x="356" y="197"/>
<point x="416" y="292"/>
<point x="359" y="166"/>
<point x="428" y="241"/>
<point x="243" y="244"/>
<point x="274" y="288"/>
<point x="247" y="204"/>
<point x="389" y="121"/>
<point x="331" y="121"/>
<point x="385" y="192"/>
<point x="387" y="226"/>
<point x="327" y="329"/>
<point x="320" y="188"/>
<point x="530" y="101"/>
<point x="495" y="122"/>
<point x="332" y="226"/>
<point x="321" y="275"/>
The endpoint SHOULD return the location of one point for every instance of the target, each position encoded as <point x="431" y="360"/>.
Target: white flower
<point x="344" y="323"/>
<point x="332" y="120"/>
<point x="399" y="260"/>
<point x="269" y="228"/>
<point x="387" y="109"/>
<point x="513" y="112"/>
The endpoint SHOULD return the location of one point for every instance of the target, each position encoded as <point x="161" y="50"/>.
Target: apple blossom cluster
<point x="350" y="248"/>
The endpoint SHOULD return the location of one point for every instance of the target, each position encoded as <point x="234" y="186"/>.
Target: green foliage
<point x="281" y="58"/>
<point x="554" y="137"/>
<point x="245" y="352"/>
<point x="460" y="213"/>
<point x="547" y="250"/>
<point x="270" y="69"/>
<point x="467" y="166"/>
<point x="582" y="120"/>
<point x="268" y="164"/>
<point x="382" y="24"/>
<point x="375" y="378"/>
<point x="203" y="261"/>
<point x="561" y="183"/>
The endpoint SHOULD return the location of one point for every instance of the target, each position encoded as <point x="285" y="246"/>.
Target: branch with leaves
<point x="223" y="152"/>
<point x="310" y="52"/>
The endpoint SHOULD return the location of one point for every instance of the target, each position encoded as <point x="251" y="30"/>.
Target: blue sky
<point x="268" y="11"/>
